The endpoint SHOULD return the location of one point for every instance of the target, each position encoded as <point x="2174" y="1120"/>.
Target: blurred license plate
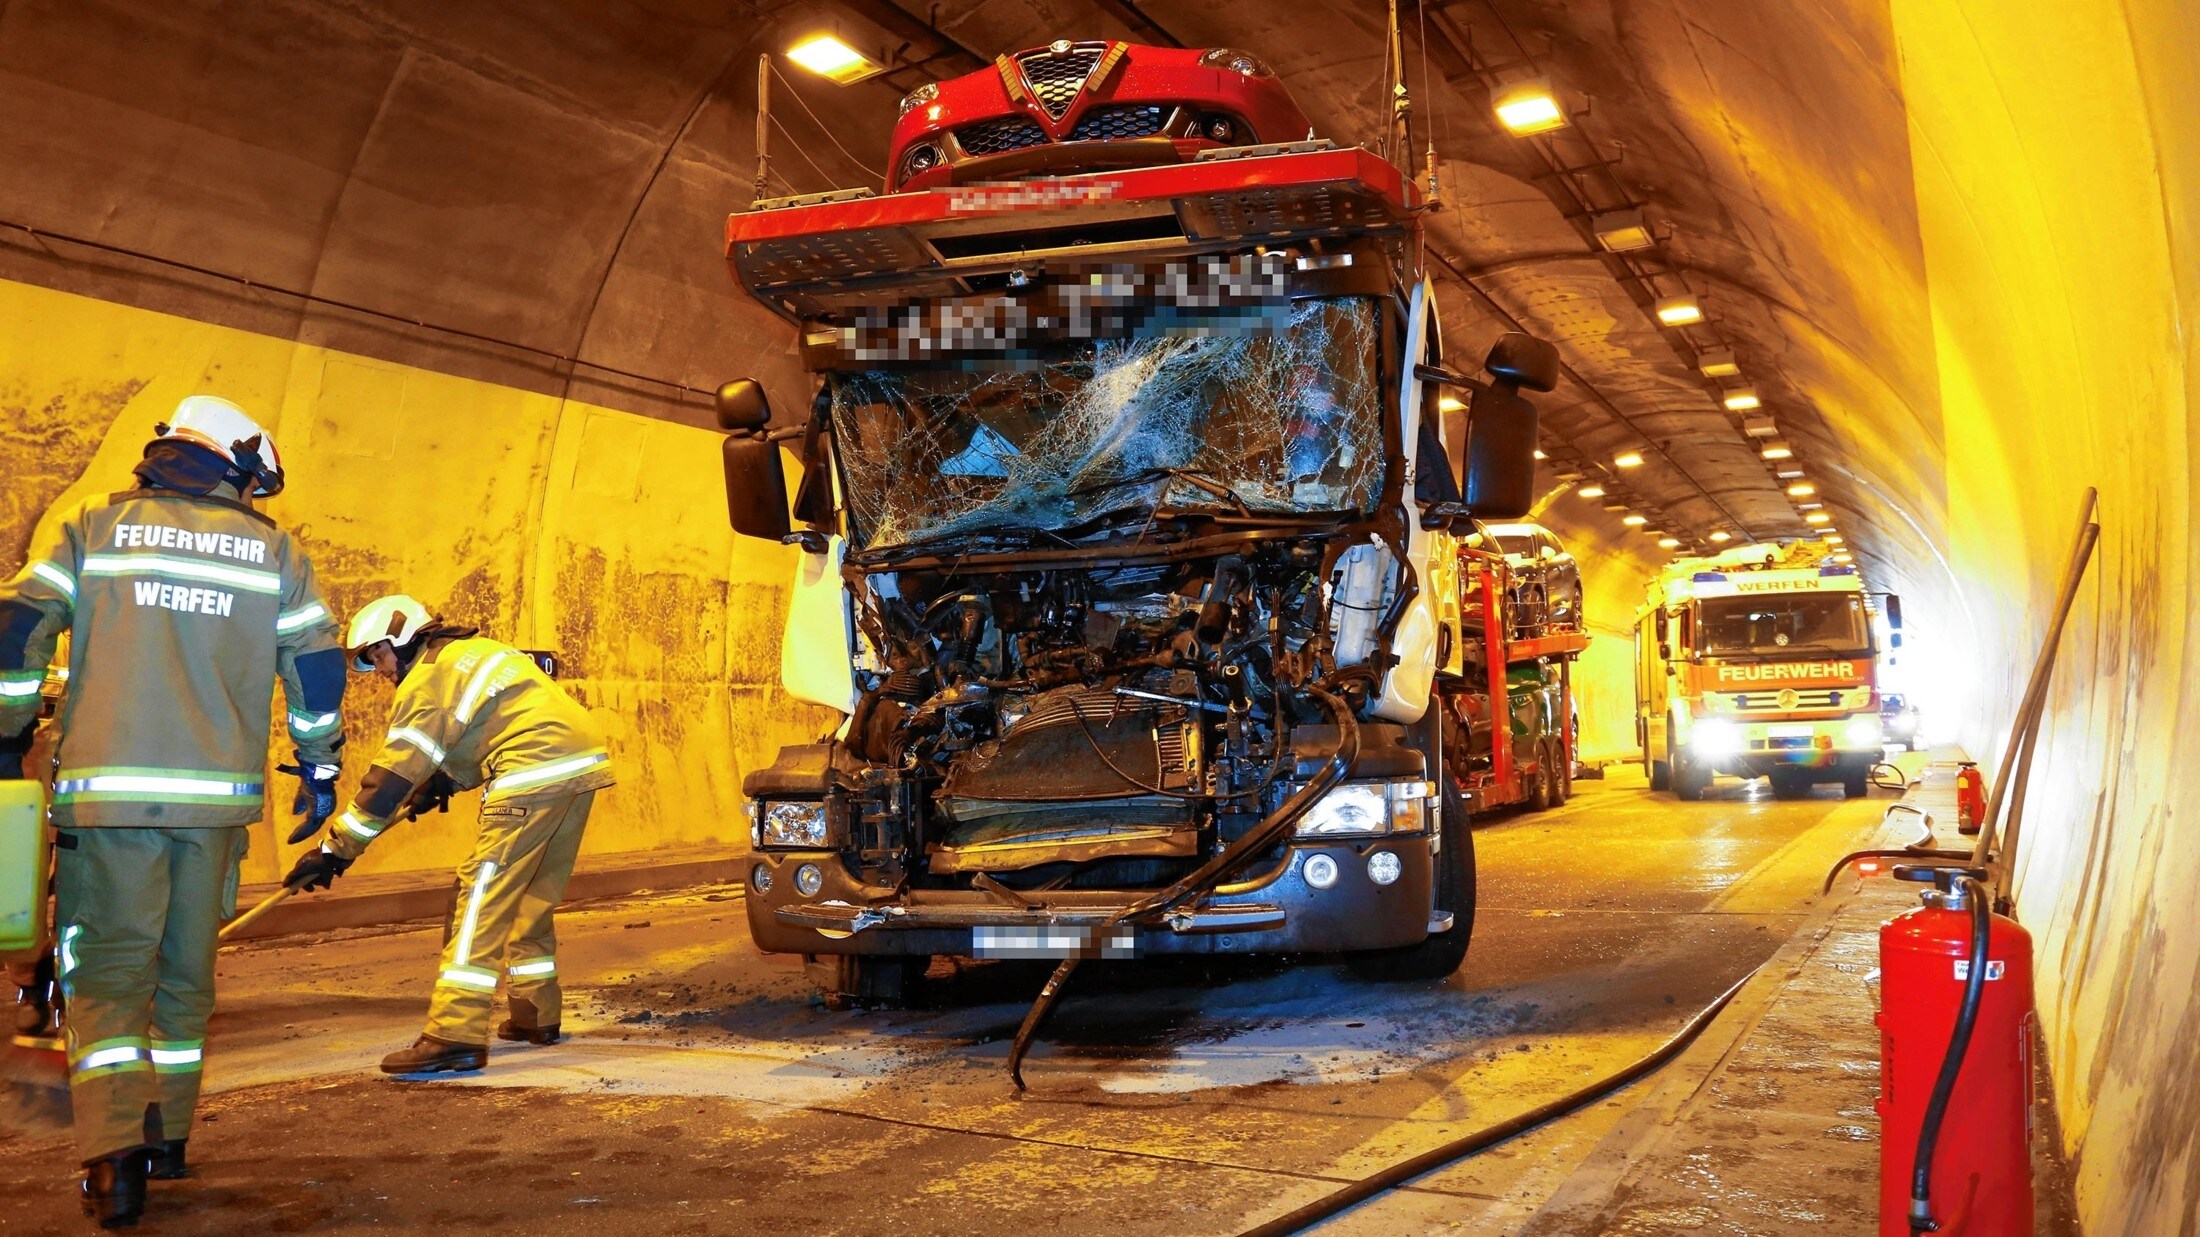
<point x="1052" y="941"/>
<point x="1789" y="731"/>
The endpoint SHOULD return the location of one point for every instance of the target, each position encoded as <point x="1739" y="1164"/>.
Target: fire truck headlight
<point x="1861" y="732"/>
<point x="1715" y="737"/>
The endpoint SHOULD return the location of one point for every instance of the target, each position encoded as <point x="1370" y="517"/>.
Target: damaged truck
<point x="1131" y="498"/>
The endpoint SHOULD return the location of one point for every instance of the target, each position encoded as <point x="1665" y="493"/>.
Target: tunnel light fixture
<point x="1740" y="399"/>
<point x="1844" y="558"/>
<point x="1759" y="427"/>
<point x="1622" y="230"/>
<point x="1448" y="403"/>
<point x="1808" y="506"/>
<point x="1591" y="491"/>
<point x="1774" y="449"/>
<point x="1668" y="542"/>
<point x="1678" y="310"/>
<point x="1529" y="106"/>
<point x="1816" y="517"/>
<point x="1615" y="506"/>
<point x="1540" y="455"/>
<point x="1802" y="489"/>
<point x="1634" y="521"/>
<point x="1832" y="539"/>
<point x="1717" y="363"/>
<point x="828" y="57"/>
<point x="1628" y="459"/>
<point x="1788" y="472"/>
<point x="1721" y="535"/>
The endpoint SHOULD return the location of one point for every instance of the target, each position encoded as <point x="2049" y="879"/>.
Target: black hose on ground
<point x="1460" y="1148"/>
<point x="1959" y="1042"/>
<point x="1209" y="874"/>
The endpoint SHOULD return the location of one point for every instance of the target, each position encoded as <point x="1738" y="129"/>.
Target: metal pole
<point x="763" y="121"/>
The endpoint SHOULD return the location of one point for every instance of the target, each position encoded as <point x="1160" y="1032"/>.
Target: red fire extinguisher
<point x="1955" y="1062"/>
<point x="1970" y="798"/>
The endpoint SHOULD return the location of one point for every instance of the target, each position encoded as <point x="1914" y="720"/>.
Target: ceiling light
<point x="1808" y="506"/>
<point x="1788" y="472"/>
<point x="1722" y="535"/>
<point x="1740" y="399"/>
<point x="1615" y="506"/>
<point x="1669" y="542"/>
<point x="1530" y="106"/>
<point x="1831" y="539"/>
<point x="1678" y="310"/>
<point x="1816" y="517"/>
<point x="1774" y="449"/>
<point x="1759" y="427"/>
<point x="1591" y="491"/>
<point x="1448" y="403"/>
<point x="1718" y="363"/>
<point x="1622" y="230"/>
<point x="828" y="57"/>
<point x="1844" y="558"/>
<point x="1802" y="489"/>
<point x="1539" y="454"/>
<point x="1628" y="459"/>
<point x="1633" y="521"/>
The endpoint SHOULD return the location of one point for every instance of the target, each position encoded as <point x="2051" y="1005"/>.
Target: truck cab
<point x="1130" y="519"/>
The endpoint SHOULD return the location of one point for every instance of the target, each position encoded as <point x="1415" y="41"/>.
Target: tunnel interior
<point x="469" y="261"/>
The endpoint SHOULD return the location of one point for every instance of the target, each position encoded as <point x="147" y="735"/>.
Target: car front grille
<point x="1103" y="124"/>
<point x="993" y="137"/>
<point x="1056" y="78"/>
<point x="1825" y="698"/>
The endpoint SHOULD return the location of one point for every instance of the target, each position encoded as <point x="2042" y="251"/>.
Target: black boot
<point x="430" y="1055"/>
<point x="165" y="1162"/>
<point x="113" y="1192"/>
<point x="526" y="1026"/>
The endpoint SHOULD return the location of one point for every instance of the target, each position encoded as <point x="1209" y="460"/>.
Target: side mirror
<point x="1524" y="361"/>
<point x="1665" y="653"/>
<point x="742" y="406"/>
<point x="756" y="489"/>
<point x="1894" y="612"/>
<point x="1500" y="481"/>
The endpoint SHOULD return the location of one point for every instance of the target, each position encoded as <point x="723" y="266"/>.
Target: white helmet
<point x="395" y="618"/>
<point x="223" y="428"/>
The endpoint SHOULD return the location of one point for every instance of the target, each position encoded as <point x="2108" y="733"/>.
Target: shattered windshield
<point x="1819" y="623"/>
<point x="1277" y="420"/>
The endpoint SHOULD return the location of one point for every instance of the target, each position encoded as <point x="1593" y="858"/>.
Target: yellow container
<point x="26" y="856"/>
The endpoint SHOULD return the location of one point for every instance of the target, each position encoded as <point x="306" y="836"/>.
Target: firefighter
<point x="184" y="606"/>
<point x="470" y="712"/>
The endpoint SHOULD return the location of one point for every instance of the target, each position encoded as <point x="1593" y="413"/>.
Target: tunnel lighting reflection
<point x="1777" y="450"/>
<point x="828" y="57"/>
<point x="1678" y="310"/>
<point x="1718" y="363"/>
<point x="1591" y="491"/>
<point x="1669" y="542"/>
<point x="1722" y="535"/>
<point x="1628" y="459"/>
<point x="1622" y="230"/>
<point x="1816" y="517"/>
<point x="1530" y="106"/>
<point x="1802" y="489"/>
<point x="1634" y="521"/>
<point x="1741" y="399"/>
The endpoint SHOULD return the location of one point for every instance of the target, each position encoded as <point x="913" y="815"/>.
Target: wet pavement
<point x="702" y="1090"/>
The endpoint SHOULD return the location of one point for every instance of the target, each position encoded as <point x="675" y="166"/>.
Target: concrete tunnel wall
<point x="594" y="533"/>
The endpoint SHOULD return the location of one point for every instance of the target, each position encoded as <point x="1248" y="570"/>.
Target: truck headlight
<point x="1715" y="737"/>
<point x="1367" y="809"/>
<point x="795" y="823"/>
<point x="1861" y="732"/>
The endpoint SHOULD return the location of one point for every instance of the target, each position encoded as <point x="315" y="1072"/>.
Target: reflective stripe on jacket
<point x="184" y="612"/>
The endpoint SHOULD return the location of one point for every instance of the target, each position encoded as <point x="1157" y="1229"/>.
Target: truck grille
<point x="1103" y="124"/>
<point x="1818" y="698"/>
<point x="1056" y="79"/>
<point x="993" y="137"/>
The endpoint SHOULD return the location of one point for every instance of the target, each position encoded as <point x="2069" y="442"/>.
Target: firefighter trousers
<point x="502" y="924"/>
<point x="139" y="915"/>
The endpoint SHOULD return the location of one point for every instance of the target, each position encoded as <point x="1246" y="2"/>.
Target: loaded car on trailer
<point x="1130" y="527"/>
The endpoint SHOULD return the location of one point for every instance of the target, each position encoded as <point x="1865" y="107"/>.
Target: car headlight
<point x="1712" y="736"/>
<point x="1367" y="809"/>
<point x="1861" y="732"/>
<point x="795" y="823"/>
<point x="919" y="97"/>
<point x="1235" y="61"/>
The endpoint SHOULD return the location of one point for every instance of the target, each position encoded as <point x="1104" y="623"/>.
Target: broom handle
<point x="272" y="901"/>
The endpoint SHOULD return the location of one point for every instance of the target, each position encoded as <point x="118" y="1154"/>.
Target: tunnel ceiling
<point x="534" y="193"/>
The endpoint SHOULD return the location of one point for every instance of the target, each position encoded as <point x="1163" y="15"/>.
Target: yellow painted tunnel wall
<point x="2056" y="149"/>
<point x="552" y="524"/>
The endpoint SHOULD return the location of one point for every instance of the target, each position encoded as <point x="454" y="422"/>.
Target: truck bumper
<point x="1273" y="911"/>
<point x="1827" y="745"/>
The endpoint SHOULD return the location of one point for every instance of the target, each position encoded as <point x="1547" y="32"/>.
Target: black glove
<point x="13" y="749"/>
<point x="432" y="795"/>
<point x="316" y="869"/>
<point x="316" y="797"/>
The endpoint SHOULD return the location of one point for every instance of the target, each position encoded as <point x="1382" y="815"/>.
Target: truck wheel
<point x="1853" y="784"/>
<point x="1562" y="775"/>
<point x="1660" y="778"/>
<point x="866" y="980"/>
<point x="1790" y="784"/>
<point x="1541" y="794"/>
<point x="1439" y="955"/>
<point x="1689" y="781"/>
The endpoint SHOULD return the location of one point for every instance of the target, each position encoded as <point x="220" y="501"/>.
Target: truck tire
<point x="1562" y="769"/>
<point x="1541" y="795"/>
<point x="1439" y="955"/>
<point x="1790" y="784"/>
<point x="1854" y="785"/>
<point x="1689" y="781"/>
<point x="1660" y="777"/>
<point x="869" y="981"/>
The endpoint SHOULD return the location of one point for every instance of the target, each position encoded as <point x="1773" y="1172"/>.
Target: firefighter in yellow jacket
<point x="184" y="606"/>
<point x="478" y="713"/>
